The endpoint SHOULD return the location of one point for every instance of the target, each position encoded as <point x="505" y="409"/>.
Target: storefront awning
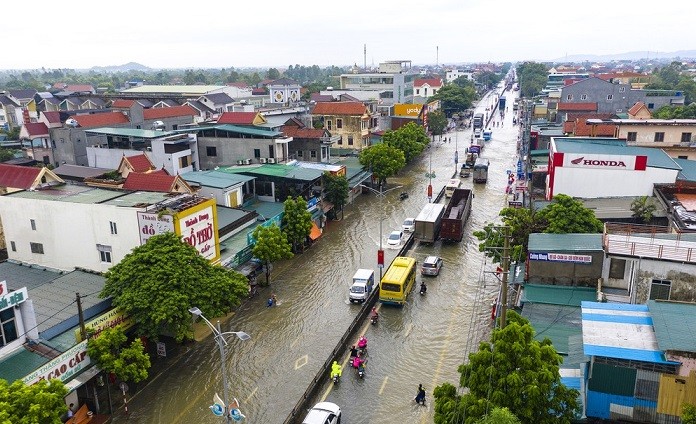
<point x="315" y="233"/>
<point x="326" y="206"/>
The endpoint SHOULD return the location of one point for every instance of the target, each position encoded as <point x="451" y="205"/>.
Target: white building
<point x="453" y="74"/>
<point x="73" y="226"/>
<point x="601" y="167"/>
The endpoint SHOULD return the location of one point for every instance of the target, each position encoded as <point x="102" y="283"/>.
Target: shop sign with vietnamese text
<point x="63" y="367"/>
<point x="560" y="257"/>
<point x="9" y="299"/>
<point x="109" y="319"/>
<point x="198" y="230"/>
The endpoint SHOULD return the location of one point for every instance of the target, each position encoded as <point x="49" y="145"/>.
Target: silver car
<point x="324" y="413"/>
<point x="431" y="266"/>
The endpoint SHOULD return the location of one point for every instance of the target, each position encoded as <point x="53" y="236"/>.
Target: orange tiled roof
<point x="310" y="133"/>
<point x="16" y="176"/>
<point x="600" y="130"/>
<point x="340" y="108"/>
<point x="433" y="82"/>
<point x="635" y="108"/>
<point x="35" y="129"/>
<point x="169" y="112"/>
<point x="101" y="119"/>
<point x="237" y="118"/>
<point x="140" y="163"/>
<point x="149" y="182"/>
<point x="587" y="107"/>
<point x="122" y="103"/>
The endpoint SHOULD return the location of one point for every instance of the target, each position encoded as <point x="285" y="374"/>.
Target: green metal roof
<point x="674" y="324"/>
<point x="70" y="193"/>
<point x="539" y="152"/>
<point x="557" y="295"/>
<point x="564" y="242"/>
<point x="130" y="132"/>
<point x="244" y="130"/>
<point x="688" y="172"/>
<point x="215" y="179"/>
<point x="560" y="324"/>
<point x="657" y="158"/>
<point x="139" y="198"/>
<point x="276" y="170"/>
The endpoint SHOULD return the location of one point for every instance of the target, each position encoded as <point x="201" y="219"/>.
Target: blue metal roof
<point x="621" y="331"/>
<point x="688" y="172"/>
<point x="657" y="158"/>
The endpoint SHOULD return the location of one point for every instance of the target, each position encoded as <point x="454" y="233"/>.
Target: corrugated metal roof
<point x="245" y="130"/>
<point x="657" y="158"/>
<point x="620" y="331"/>
<point x="688" y="172"/>
<point x="612" y="379"/>
<point x="215" y="179"/>
<point x="276" y="170"/>
<point x="558" y="295"/>
<point x="542" y="242"/>
<point x="130" y="132"/>
<point x="674" y="324"/>
<point x="555" y="322"/>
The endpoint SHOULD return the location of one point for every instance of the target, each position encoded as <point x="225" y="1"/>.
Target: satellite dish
<point x="71" y="122"/>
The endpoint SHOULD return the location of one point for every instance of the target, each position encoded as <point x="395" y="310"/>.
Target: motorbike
<point x="361" y="371"/>
<point x="335" y="378"/>
<point x="374" y="319"/>
<point x="423" y="289"/>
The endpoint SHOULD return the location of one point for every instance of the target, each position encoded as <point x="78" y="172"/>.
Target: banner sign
<point x="8" y="300"/>
<point x="151" y="224"/>
<point x="560" y="257"/>
<point x="109" y="319"/>
<point x="636" y="163"/>
<point x="63" y="367"/>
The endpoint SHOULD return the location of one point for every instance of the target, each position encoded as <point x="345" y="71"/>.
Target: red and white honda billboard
<point x="618" y="162"/>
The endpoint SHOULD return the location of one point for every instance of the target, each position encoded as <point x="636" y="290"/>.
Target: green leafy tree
<point x="454" y="98"/>
<point x="297" y="221"/>
<point x="521" y="221"/>
<point x="410" y="139"/>
<point x="676" y="112"/>
<point x="384" y="161"/>
<point x="40" y="403"/>
<point x="688" y="414"/>
<point x="271" y="246"/>
<point x="273" y="74"/>
<point x="567" y="215"/>
<point x="643" y="209"/>
<point x="532" y="78"/>
<point x="6" y="154"/>
<point x="109" y="351"/>
<point x="488" y="79"/>
<point x="336" y="191"/>
<point x="499" y="416"/>
<point x="12" y="133"/>
<point x="512" y="371"/>
<point x="437" y="122"/>
<point x="159" y="281"/>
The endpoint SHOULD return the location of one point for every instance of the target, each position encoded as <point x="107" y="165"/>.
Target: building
<point x="617" y="98"/>
<point x="308" y="144"/>
<point x="230" y="190"/>
<point x="284" y="91"/>
<point x="565" y="259"/>
<point x="71" y="226"/>
<point x="224" y="145"/>
<point x="425" y="88"/>
<point x="580" y="167"/>
<point x="348" y="120"/>
<point x="453" y="74"/>
<point x="15" y="178"/>
<point x="394" y="79"/>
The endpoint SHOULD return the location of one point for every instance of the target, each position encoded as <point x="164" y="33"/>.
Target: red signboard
<point x="380" y="257"/>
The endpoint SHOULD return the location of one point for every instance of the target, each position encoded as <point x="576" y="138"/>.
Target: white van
<point x="363" y="283"/>
<point x="451" y="185"/>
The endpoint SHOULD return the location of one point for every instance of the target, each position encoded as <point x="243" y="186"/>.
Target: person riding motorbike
<point x="423" y="287"/>
<point x="362" y="343"/>
<point x="336" y="369"/>
<point x="357" y="362"/>
<point x="374" y="315"/>
<point x="353" y="351"/>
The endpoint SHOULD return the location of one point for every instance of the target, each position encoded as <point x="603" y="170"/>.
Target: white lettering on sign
<point x="14" y="298"/>
<point x="637" y="163"/>
<point x="63" y="367"/>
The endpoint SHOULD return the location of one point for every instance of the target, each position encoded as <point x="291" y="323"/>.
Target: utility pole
<point x="506" y="268"/>
<point x="83" y="330"/>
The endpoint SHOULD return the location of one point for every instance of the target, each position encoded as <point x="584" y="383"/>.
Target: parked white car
<point x="394" y="238"/>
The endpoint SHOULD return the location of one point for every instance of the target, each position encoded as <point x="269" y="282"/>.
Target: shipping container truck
<point x="478" y="120"/>
<point x="428" y="222"/>
<point x="456" y="214"/>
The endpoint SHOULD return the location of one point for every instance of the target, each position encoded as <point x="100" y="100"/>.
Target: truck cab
<point x="363" y="283"/>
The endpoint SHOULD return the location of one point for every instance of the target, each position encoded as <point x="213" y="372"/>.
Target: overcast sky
<point x="205" y="34"/>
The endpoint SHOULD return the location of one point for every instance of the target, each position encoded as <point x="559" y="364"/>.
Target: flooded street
<point x="423" y="342"/>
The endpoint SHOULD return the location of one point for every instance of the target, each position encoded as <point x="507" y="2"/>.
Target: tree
<point x="499" y="416"/>
<point x="159" y="281"/>
<point x="437" y="122"/>
<point x="512" y="371"/>
<point x="7" y="154"/>
<point x="273" y="74"/>
<point x="532" y="78"/>
<point x="454" y="98"/>
<point x="522" y="223"/>
<point x="336" y="191"/>
<point x="297" y="221"/>
<point x="676" y="112"/>
<point x="410" y="139"/>
<point x="271" y="246"/>
<point x="566" y="215"/>
<point x="384" y="161"/>
<point x="41" y="402"/>
<point x="109" y="351"/>
<point x="643" y="209"/>
<point x="488" y="79"/>
<point x="688" y="414"/>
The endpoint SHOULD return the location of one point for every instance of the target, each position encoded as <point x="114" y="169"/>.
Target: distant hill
<point x="682" y="54"/>
<point x="130" y="66"/>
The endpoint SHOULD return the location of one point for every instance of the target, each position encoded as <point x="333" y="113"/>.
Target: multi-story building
<point x="222" y="145"/>
<point x="348" y="120"/>
<point x="394" y="79"/>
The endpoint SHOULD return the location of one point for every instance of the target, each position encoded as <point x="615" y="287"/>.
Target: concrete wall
<point x="645" y="134"/>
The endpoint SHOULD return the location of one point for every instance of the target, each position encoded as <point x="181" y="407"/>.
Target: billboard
<point x="151" y="224"/>
<point x="197" y="226"/>
<point x="408" y="109"/>
<point x="619" y="162"/>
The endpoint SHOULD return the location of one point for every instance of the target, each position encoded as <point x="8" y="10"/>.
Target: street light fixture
<point x="222" y="343"/>
<point x="380" y="193"/>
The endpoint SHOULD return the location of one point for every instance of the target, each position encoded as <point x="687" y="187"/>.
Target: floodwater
<point x="423" y="342"/>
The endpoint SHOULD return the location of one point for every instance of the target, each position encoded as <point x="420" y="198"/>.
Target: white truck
<point x="363" y="283"/>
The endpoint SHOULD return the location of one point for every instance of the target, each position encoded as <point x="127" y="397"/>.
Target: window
<point x="313" y="154"/>
<point x="617" y="268"/>
<point x="631" y="136"/>
<point x="36" y="248"/>
<point x="328" y="125"/>
<point x="114" y="230"/>
<point x="659" y="289"/>
<point x="651" y="105"/>
<point x="340" y="140"/>
<point x="610" y="97"/>
<point x="622" y="89"/>
<point x="299" y="153"/>
<point x="257" y="153"/>
<point x="13" y="246"/>
<point x="682" y="157"/>
<point x="659" y="137"/>
<point x="339" y="123"/>
<point x="104" y="253"/>
<point x="569" y="97"/>
<point x="350" y="140"/>
<point x="184" y="161"/>
<point x="8" y="329"/>
<point x="583" y="97"/>
<point x="211" y="151"/>
<point x="33" y="224"/>
<point x="686" y="137"/>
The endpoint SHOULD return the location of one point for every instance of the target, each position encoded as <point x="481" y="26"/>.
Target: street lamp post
<point x="380" y="193"/>
<point x="222" y="343"/>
